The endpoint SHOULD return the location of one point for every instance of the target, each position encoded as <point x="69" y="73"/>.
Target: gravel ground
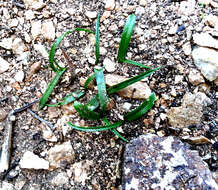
<point x="162" y="31"/>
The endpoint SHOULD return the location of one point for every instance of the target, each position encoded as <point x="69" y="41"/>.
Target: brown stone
<point x="138" y="90"/>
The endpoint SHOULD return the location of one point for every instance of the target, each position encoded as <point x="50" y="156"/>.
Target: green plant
<point x="96" y="108"/>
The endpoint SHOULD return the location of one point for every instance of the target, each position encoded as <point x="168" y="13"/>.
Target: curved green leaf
<point x="68" y="99"/>
<point x="84" y="112"/>
<point x="142" y="109"/>
<point x="97" y="40"/>
<point x="130" y="81"/>
<point x="136" y="63"/>
<point x="88" y="80"/>
<point x="85" y="30"/>
<point x="57" y="43"/>
<point x="125" y="38"/>
<point x="102" y="92"/>
<point x="97" y="128"/>
<point x="49" y="90"/>
<point x="53" y="50"/>
<point x="114" y="130"/>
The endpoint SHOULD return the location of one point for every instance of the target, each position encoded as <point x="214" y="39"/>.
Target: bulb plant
<point x="96" y="108"/>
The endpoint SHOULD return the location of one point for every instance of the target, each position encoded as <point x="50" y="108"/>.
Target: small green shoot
<point x="125" y="38"/>
<point x="50" y="88"/>
<point x="97" y="40"/>
<point x="96" y="108"/>
<point x="102" y="92"/>
<point x="90" y="79"/>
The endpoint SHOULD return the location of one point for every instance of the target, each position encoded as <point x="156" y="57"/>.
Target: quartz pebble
<point x="32" y="161"/>
<point x="18" y="46"/>
<point x="195" y="77"/>
<point x="206" y="60"/>
<point x="6" y="43"/>
<point x="4" y="65"/>
<point x="48" y="30"/>
<point x="110" y="66"/>
<point x="36" y="29"/>
<point x="19" y="76"/>
<point x="34" y="4"/>
<point x="109" y="5"/>
<point x="91" y="14"/>
<point x="41" y="49"/>
<point x="187" y="48"/>
<point x="60" y="179"/>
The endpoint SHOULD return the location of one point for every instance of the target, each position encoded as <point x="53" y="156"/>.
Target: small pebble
<point x="19" y="76"/>
<point x="4" y="66"/>
<point x="110" y="66"/>
<point x="91" y="14"/>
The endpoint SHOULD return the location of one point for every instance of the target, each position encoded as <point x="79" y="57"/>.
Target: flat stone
<point x="32" y="161"/>
<point x="60" y="155"/>
<point x="36" y="29"/>
<point x="205" y="40"/>
<point x="152" y="162"/>
<point x="110" y="66"/>
<point x="190" y="112"/>
<point x="109" y="5"/>
<point x="4" y="65"/>
<point x="195" y="77"/>
<point x="138" y="90"/>
<point x="60" y="179"/>
<point x="3" y="114"/>
<point x="48" y="30"/>
<point x="206" y="60"/>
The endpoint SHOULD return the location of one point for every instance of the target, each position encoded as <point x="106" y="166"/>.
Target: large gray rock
<point x="206" y="60"/>
<point x="152" y="162"/>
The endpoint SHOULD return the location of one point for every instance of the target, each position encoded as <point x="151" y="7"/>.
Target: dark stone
<point x="152" y="162"/>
